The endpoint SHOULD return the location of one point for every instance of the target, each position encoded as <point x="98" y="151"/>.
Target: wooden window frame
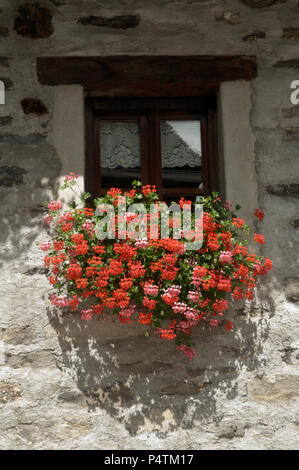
<point x="147" y="76"/>
<point x="150" y="112"/>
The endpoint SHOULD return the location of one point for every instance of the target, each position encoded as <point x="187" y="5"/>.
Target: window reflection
<point x="181" y="154"/>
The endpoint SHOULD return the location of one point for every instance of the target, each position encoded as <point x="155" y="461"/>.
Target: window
<point x="167" y="142"/>
<point x="156" y="76"/>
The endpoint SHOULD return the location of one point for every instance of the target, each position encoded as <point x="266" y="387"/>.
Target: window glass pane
<point x="120" y="153"/>
<point x="181" y="154"/>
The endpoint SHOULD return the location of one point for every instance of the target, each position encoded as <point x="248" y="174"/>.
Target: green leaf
<point x="85" y="196"/>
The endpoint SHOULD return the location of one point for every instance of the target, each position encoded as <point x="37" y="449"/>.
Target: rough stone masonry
<point x="65" y="384"/>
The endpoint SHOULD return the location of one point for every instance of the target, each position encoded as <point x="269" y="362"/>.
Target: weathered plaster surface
<point x="237" y="147"/>
<point x="67" y="134"/>
<point x="67" y="384"/>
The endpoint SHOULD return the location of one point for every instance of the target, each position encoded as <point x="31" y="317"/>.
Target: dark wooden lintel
<point x="146" y="75"/>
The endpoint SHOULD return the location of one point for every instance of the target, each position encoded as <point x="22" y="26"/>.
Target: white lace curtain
<point x="120" y="144"/>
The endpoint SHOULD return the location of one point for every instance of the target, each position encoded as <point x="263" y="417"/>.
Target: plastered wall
<point x="69" y="384"/>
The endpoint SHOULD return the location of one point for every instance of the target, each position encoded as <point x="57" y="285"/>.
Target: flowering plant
<point x="168" y="287"/>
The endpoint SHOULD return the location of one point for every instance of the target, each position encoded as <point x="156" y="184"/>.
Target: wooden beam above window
<point x="114" y="76"/>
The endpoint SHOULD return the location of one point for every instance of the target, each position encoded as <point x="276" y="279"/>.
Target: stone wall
<point x="66" y="384"/>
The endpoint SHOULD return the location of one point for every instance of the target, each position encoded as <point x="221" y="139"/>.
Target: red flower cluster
<point x="259" y="214"/>
<point x="258" y="238"/>
<point x="165" y="285"/>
